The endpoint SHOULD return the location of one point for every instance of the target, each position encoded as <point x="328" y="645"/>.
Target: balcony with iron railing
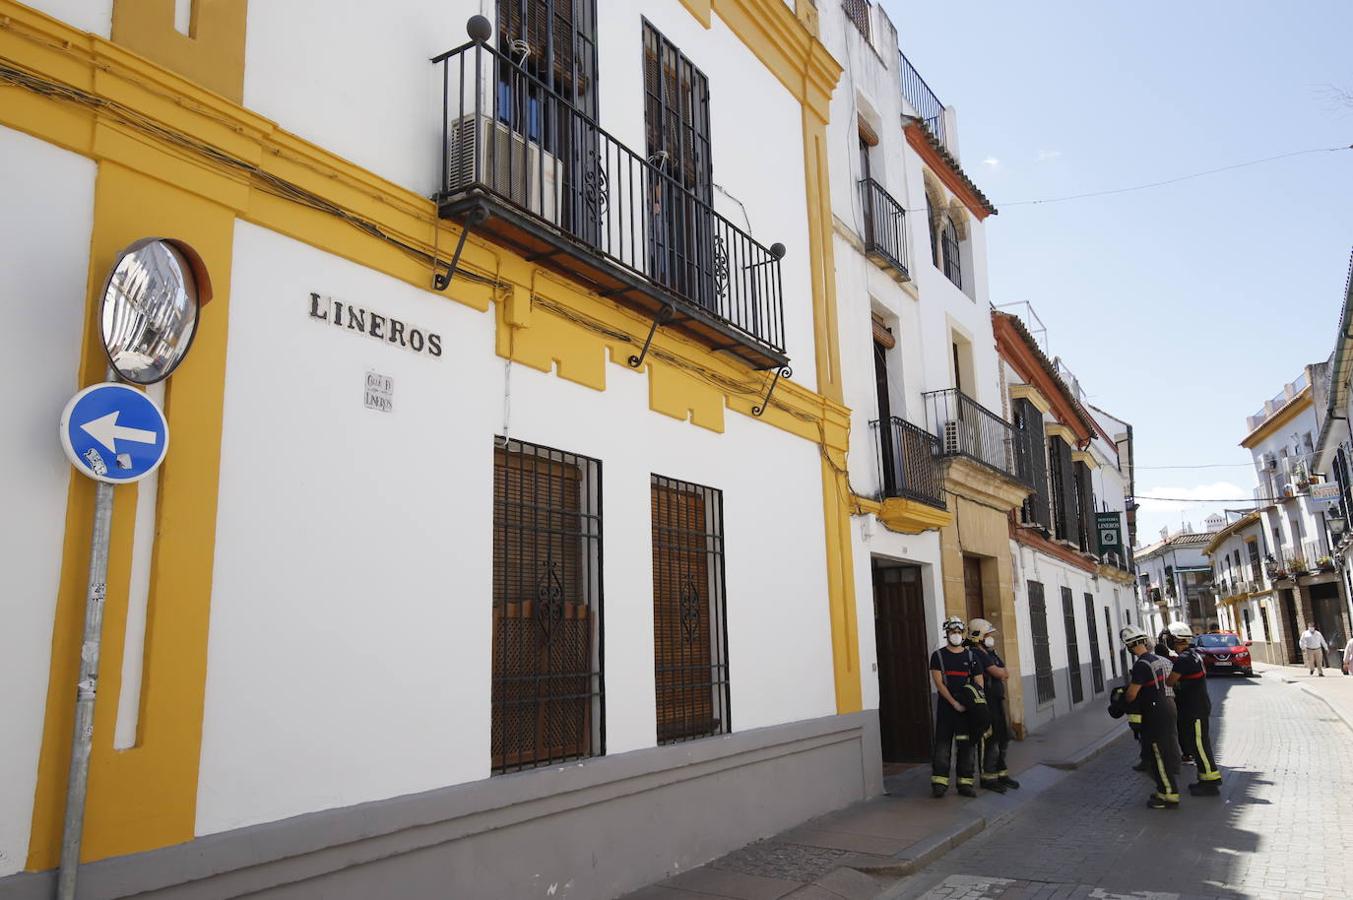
<point x="908" y="461"/>
<point x="525" y="167"/>
<point x="885" y="228"/>
<point x="966" y="428"/>
<point x="922" y="99"/>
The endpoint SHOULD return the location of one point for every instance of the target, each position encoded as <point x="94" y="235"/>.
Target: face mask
<point x="989" y="642"/>
<point x="955" y="640"/>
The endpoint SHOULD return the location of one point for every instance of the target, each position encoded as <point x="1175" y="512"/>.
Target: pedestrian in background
<point x="1348" y="657"/>
<point x="1313" y="647"/>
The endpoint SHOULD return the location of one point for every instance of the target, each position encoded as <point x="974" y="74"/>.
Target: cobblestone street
<point x="1283" y="827"/>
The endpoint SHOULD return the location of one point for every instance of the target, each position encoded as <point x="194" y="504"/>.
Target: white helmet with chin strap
<point x="1131" y="635"/>
<point x="952" y="624"/>
<point x="980" y="628"/>
<point x="1180" y="631"/>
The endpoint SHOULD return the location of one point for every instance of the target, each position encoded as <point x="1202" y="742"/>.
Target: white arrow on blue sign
<point x="114" y="433"/>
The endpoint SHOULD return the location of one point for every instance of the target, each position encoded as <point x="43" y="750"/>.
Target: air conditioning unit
<point x="959" y="437"/>
<point x="509" y="165"/>
<point x="1268" y="461"/>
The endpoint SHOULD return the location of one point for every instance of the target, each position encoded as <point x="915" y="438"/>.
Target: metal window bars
<point x="690" y="629"/>
<point x="858" y="12"/>
<point x="908" y="461"/>
<point x="966" y="428"/>
<point x="547" y="686"/>
<point x="572" y="195"/>
<point x="885" y="227"/>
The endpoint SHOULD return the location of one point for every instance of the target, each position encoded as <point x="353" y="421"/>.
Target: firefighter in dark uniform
<point x="957" y="674"/>
<point x="991" y="757"/>
<point x="1189" y="680"/>
<point x="1146" y="689"/>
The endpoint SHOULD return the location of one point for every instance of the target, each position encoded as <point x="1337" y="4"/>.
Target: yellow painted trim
<point x="211" y="54"/>
<point x="700" y="9"/>
<point x="909" y="517"/>
<point x="1085" y="456"/>
<point x="1058" y="430"/>
<point x="1033" y="395"/>
<point x="1297" y="405"/>
<point x="205" y="161"/>
<point x="144" y="797"/>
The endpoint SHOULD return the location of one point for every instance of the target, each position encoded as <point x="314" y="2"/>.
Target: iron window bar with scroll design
<point x="690" y="629"/>
<point x="547" y="686"/>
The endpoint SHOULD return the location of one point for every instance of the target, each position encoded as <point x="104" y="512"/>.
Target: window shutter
<point x="1066" y="491"/>
<point x="1037" y="508"/>
<point x="1085" y="499"/>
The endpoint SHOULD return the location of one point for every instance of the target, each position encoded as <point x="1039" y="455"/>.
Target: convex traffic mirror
<point x="150" y="308"/>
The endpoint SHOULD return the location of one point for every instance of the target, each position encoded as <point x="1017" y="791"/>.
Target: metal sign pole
<point x="78" y="779"/>
<point x="87" y="687"/>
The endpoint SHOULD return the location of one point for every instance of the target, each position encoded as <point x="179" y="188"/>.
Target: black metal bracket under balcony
<point x="966" y="428"/>
<point x="523" y="166"/>
<point x="885" y="228"/>
<point x="908" y="461"/>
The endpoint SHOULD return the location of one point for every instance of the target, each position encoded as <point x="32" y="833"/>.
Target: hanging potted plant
<point x="1325" y="563"/>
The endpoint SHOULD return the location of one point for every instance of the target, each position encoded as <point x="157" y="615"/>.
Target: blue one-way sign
<point x="114" y="433"/>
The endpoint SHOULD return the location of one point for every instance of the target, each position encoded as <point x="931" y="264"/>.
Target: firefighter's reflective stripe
<point x="1206" y="770"/>
<point x="1171" y="795"/>
<point x="962" y="781"/>
<point x="1135" y="718"/>
<point x="939" y="779"/>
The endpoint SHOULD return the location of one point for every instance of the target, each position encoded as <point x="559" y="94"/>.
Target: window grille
<point x="1073" y="653"/>
<point x="949" y="247"/>
<point x="547" y="703"/>
<point x="1038" y="619"/>
<point x="858" y="12"/>
<point x="1096" y="664"/>
<point x="690" y="633"/>
<point x="1108" y="633"/>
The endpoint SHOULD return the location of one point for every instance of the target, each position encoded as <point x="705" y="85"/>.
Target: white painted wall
<point x="386" y="113"/>
<point x="45" y="224"/>
<point x="349" y="651"/>
<point x="95" y="16"/>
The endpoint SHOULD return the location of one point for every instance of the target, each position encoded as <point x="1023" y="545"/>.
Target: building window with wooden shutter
<point x="1073" y="652"/>
<point x="1096" y="663"/>
<point x="690" y="633"/>
<point x="547" y="704"/>
<point x="1038" y="620"/>
<point x="1037" y="509"/>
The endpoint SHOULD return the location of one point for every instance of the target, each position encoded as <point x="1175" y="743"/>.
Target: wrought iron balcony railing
<point x="524" y="165"/>
<point x="907" y="461"/>
<point x="966" y="428"/>
<point x="885" y="227"/>
<point x="922" y="99"/>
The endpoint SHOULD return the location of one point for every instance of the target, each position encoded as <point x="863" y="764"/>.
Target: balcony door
<point x="887" y="448"/>
<point x="685" y="254"/>
<point x="547" y="95"/>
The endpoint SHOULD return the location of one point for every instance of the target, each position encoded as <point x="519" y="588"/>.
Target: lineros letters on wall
<point x="392" y="331"/>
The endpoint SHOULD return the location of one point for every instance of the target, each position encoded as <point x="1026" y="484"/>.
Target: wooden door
<point x="903" y="655"/>
<point x="972" y="588"/>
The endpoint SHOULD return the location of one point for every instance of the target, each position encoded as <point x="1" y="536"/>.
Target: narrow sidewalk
<point x="860" y="851"/>
<point x="1335" y="689"/>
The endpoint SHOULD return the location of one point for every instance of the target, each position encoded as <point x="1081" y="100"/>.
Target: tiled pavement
<point x="1282" y="829"/>
<point x="861" y="851"/>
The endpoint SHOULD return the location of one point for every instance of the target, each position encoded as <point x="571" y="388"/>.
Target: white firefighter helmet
<point x="1131" y="634"/>
<point x="952" y="624"/>
<point x="980" y="628"/>
<point x="1180" y="631"/>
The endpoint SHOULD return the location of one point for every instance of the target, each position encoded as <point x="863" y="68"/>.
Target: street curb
<point x="1348" y="722"/>
<point x="1088" y="752"/>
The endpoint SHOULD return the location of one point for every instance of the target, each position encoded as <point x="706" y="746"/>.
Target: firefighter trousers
<point x="996" y="742"/>
<point x="951" y="728"/>
<point x="1195" y="739"/>
<point x="1160" y="747"/>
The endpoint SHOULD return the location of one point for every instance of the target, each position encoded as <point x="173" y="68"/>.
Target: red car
<point x="1224" y="651"/>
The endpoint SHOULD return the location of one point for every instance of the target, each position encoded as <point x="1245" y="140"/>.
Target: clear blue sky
<point x="1180" y="308"/>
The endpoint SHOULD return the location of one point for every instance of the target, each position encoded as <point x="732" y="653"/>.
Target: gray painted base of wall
<point x="1037" y="716"/>
<point x="592" y="830"/>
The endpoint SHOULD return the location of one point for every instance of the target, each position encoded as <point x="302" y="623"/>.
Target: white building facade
<point x="1174" y="580"/>
<point x="574" y="578"/>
